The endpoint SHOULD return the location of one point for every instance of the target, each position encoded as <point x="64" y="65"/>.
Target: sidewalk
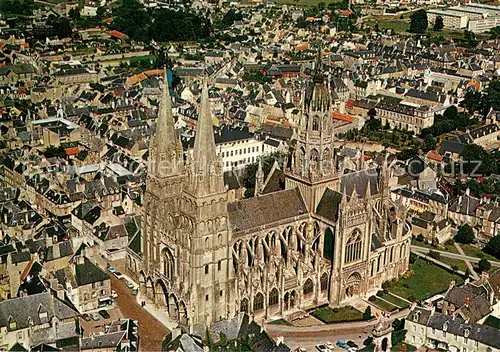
<point x="469" y="265"/>
<point x="160" y="315"/>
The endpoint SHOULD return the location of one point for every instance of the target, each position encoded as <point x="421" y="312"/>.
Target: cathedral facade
<point x="331" y="235"/>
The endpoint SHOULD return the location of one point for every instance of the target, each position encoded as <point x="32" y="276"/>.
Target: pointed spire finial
<point x="204" y="143"/>
<point x="165" y="131"/>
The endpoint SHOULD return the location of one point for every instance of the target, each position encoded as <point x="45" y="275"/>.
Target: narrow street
<point x="151" y="331"/>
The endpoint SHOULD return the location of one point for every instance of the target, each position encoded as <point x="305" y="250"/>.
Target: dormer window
<point x="466" y="332"/>
<point x="12" y="324"/>
<point x="445" y="326"/>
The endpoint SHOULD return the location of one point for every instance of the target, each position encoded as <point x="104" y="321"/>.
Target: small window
<point x="219" y="265"/>
<point x="206" y="298"/>
<point x="221" y="292"/>
<point x="206" y="269"/>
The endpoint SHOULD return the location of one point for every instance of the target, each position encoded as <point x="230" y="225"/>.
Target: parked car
<point x="104" y="313"/>
<point x="111" y="269"/>
<point x="86" y="317"/>
<point x="95" y="317"/>
<point x="300" y="349"/>
<point x="129" y="284"/>
<point x="352" y="344"/>
<point x="114" y="294"/>
<point x="322" y="348"/>
<point x="135" y="291"/>
<point x="342" y="344"/>
<point x="118" y="274"/>
<point x="330" y="345"/>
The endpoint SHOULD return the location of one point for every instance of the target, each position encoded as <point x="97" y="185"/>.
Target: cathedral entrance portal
<point x="352" y="285"/>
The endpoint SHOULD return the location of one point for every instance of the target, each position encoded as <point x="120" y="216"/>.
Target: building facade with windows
<point x="434" y="330"/>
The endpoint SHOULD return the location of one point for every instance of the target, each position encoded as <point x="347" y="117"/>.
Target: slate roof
<point x="454" y="325"/>
<point x="231" y="180"/>
<point x="360" y="180"/>
<point x="274" y="182"/>
<point x="22" y="308"/>
<point x="328" y="206"/>
<point x="478" y="307"/>
<point x="254" y="212"/>
<point x="88" y="273"/>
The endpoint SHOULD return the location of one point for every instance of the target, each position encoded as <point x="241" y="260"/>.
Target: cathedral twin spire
<point x="206" y="168"/>
<point x="166" y="158"/>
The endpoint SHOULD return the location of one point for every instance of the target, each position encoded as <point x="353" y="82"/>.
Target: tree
<point x="472" y="101"/>
<point x="470" y="39"/>
<point x="465" y="234"/>
<point x="493" y="247"/>
<point x="434" y="255"/>
<point x="484" y="265"/>
<point x="495" y="32"/>
<point x="367" y="315"/>
<point x="418" y="22"/>
<point x="372" y="112"/>
<point x="438" y="24"/>
<point x="429" y="143"/>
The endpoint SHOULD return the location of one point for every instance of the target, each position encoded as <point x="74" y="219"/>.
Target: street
<point x="309" y="339"/>
<point x="151" y="331"/>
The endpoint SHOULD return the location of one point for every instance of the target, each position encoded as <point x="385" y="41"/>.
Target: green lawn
<point x="446" y="248"/>
<point x="330" y="315"/>
<point x="398" y="302"/>
<point x="472" y="251"/>
<point x="428" y="280"/>
<point x="384" y="305"/>
<point x="280" y="322"/>
<point x="457" y="262"/>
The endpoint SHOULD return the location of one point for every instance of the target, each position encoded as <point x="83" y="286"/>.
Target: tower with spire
<point x="313" y="166"/>
<point x="206" y="200"/>
<point x="185" y="238"/>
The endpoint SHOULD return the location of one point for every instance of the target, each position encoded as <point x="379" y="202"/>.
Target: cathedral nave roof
<point x="267" y="209"/>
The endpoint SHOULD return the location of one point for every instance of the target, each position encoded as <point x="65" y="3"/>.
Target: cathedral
<point x="331" y="235"/>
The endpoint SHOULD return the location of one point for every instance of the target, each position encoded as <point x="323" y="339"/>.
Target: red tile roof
<point x="342" y="117"/>
<point x="434" y="156"/>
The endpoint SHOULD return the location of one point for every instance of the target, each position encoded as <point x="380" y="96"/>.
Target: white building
<point x="428" y="328"/>
<point x="451" y="20"/>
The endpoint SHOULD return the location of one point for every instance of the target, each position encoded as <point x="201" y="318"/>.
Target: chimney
<point x="60" y="292"/>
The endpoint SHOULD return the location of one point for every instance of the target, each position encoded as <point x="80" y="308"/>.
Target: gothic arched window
<point x="315" y="124"/>
<point x="354" y="247"/>
<point x="273" y="297"/>
<point x="168" y="264"/>
<point x="324" y="282"/>
<point x="308" y="287"/>
<point x="258" y="303"/>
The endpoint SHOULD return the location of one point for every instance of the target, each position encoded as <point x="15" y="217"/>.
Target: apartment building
<point x="451" y="20"/>
<point x="405" y="115"/>
<point x="430" y="329"/>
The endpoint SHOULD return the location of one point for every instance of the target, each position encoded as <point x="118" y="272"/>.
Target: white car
<point x="322" y="348"/>
<point x="114" y="294"/>
<point x="330" y="345"/>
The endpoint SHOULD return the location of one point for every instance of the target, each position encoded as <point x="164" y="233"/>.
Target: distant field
<point x="305" y="3"/>
<point x="389" y="22"/>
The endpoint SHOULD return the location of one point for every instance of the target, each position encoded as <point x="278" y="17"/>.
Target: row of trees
<point x="449" y="121"/>
<point x="484" y="101"/>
